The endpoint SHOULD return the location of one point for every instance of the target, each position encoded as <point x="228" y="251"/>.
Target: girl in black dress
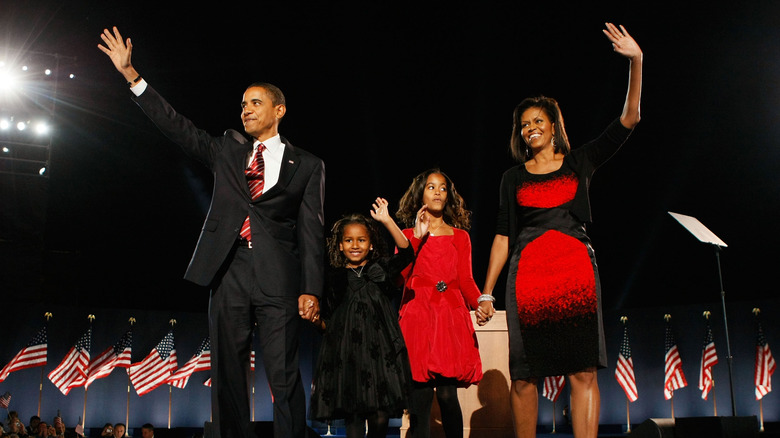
<point x="363" y="370"/>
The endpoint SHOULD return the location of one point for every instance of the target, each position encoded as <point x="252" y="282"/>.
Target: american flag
<point x="709" y="357"/>
<point x="5" y="400"/>
<point x="552" y="387"/>
<point x="673" y="373"/>
<point x="624" y="372"/>
<point x="33" y="355"/>
<point x="115" y="356"/>
<point x="200" y="361"/>
<point x="207" y="382"/>
<point x="156" y="367"/>
<point x="72" y="371"/>
<point x="765" y="365"/>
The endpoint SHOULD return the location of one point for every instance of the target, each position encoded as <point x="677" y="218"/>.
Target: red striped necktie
<point x="255" y="177"/>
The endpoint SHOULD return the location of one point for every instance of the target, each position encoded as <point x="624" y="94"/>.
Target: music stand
<point x="706" y="236"/>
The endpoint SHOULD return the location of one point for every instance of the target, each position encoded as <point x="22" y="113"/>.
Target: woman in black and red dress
<point x="553" y="290"/>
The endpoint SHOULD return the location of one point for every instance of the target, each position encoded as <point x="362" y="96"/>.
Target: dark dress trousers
<point x="258" y="285"/>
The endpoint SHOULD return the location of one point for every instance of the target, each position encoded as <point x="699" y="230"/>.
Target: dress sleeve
<point x="603" y="147"/>
<point x="415" y="246"/>
<point x="400" y="261"/>
<point x="468" y="286"/>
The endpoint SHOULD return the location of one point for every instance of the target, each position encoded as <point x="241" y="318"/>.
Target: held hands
<point x="309" y="308"/>
<point x="622" y="42"/>
<point x="484" y="312"/>
<point x="119" y="51"/>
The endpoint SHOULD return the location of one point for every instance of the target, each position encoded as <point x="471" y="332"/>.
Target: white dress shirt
<point x="272" y="155"/>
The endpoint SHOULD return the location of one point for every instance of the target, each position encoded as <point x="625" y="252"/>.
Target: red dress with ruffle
<point x="439" y="289"/>
<point x="553" y="298"/>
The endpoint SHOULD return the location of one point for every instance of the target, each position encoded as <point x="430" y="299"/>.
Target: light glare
<point x="41" y="128"/>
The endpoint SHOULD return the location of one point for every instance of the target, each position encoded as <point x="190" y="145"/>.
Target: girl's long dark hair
<point x="455" y="212"/>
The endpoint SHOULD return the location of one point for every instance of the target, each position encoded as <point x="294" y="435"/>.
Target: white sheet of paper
<point x="698" y="229"/>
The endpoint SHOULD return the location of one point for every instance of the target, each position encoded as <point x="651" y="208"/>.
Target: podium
<point x="486" y="410"/>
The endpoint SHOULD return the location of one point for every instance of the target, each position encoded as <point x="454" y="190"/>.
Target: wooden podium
<point x="486" y="411"/>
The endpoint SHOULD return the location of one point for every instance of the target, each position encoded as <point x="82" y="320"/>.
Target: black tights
<point x="377" y="425"/>
<point x="420" y="411"/>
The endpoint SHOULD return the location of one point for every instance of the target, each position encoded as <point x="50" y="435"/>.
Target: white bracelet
<point x="486" y="297"/>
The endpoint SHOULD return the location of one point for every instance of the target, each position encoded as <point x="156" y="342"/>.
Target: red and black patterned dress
<point x="553" y="297"/>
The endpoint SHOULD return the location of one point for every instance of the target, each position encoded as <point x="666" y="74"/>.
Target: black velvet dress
<point x="363" y="365"/>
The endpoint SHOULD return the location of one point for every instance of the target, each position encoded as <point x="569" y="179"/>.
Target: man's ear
<point x="281" y="110"/>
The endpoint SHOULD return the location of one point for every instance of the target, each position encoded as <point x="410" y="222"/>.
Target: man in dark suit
<point x="261" y="253"/>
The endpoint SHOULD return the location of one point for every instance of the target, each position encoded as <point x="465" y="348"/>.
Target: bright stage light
<point x="5" y="124"/>
<point x="6" y="150"/>
<point x="42" y="171"/>
<point x="47" y="72"/>
<point x="41" y="128"/>
<point x="7" y="80"/>
<point x="21" y="126"/>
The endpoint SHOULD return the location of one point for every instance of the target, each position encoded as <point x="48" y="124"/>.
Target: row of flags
<point x="160" y="366"/>
<point x="674" y="378"/>
<point x="78" y="369"/>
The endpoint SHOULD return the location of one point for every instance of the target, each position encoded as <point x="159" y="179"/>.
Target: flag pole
<point x="172" y="322"/>
<point x="714" y="400"/>
<point x="756" y="311"/>
<point x="628" y="416"/>
<point x="553" y="412"/>
<point x="170" y="402"/>
<point x="624" y="320"/>
<point x="84" y="410"/>
<point x="48" y="316"/>
<point x="667" y="317"/>
<point x="84" y="413"/>
<point x="127" y="405"/>
<point x="40" y="392"/>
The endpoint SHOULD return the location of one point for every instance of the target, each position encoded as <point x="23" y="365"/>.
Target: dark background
<point x="382" y="91"/>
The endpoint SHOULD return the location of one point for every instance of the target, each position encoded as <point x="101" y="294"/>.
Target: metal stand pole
<point x="729" y="358"/>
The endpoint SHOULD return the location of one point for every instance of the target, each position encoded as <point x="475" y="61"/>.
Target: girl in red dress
<point x="439" y="289"/>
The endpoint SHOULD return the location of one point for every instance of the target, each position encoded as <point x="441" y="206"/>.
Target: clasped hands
<point x="484" y="313"/>
<point x="309" y="308"/>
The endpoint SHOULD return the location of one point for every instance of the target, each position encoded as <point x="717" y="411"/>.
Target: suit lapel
<point x="241" y="165"/>
<point x="290" y="163"/>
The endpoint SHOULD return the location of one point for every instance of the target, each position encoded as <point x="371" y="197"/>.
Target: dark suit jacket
<point x="286" y="221"/>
